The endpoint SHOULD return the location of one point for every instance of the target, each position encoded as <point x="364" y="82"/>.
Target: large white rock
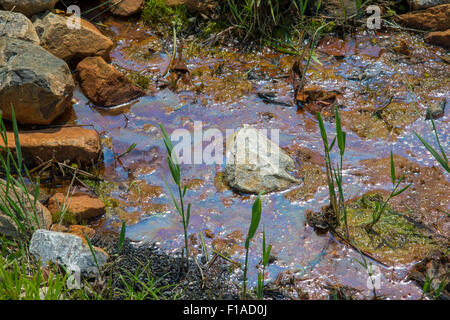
<point x="28" y="7"/>
<point x="254" y="163"/>
<point x="16" y="25"/>
<point x="36" y="83"/>
<point x="32" y="214"/>
<point x="68" y="250"/>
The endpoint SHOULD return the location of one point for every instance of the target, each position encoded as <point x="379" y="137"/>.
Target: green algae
<point x="393" y="239"/>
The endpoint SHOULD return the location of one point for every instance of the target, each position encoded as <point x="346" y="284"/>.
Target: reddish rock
<point x="81" y="231"/>
<point x="58" y="228"/>
<point x="439" y="38"/>
<point x="75" y="229"/>
<point x="82" y="206"/>
<point x="73" y="144"/>
<point x="423" y="4"/>
<point x="104" y="85"/>
<point x="125" y="8"/>
<point x="432" y="19"/>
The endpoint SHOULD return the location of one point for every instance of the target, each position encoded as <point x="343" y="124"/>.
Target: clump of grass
<point x="431" y="292"/>
<point x="185" y="213"/>
<point x="379" y="210"/>
<point x="335" y="178"/>
<point x="441" y="158"/>
<point x="140" y="285"/>
<point x="15" y="200"/>
<point x="20" y="277"/>
<point x="260" y="18"/>
<point x="256" y="217"/>
<point x="156" y="12"/>
<point x="65" y="218"/>
<point x="334" y="174"/>
<point x="21" y="280"/>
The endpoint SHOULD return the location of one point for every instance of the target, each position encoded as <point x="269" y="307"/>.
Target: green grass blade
<point x="438" y="141"/>
<point x="256" y="217"/>
<point x="91" y="247"/>
<point x="392" y="169"/>
<point x="340" y="135"/>
<point x="401" y="191"/>
<point x="433" y="152"/>
<point x="323" y="132"/>
<point x="16" y="138"/>
<point x="122" y="237"/>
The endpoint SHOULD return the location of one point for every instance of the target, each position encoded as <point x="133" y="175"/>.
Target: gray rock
<point x="423" y="4"/>
<point x="254" y="163"/>
<point x="17" y="26"/>
<point x="68" y="250"/>
<point x="58" y="37"/>
<point x="37" y="84"/>
<point x="37" y="215"/>
<point x="28" y="7"/>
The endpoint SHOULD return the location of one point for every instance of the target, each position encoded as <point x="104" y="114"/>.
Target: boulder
<point x="71" y="44"/>
<point x="432" y="19"/>
<point x="254" y="163"/>
<point x="82" y="206"/>
<point x="37" y="215"/>
<point x="125" y="8"/>
<point x="68" y="250"/>
<point x="104" y="85"/>
<point x="16" y="25"/>
<point x="66" y="144"/>
<point x="36" y="83"/>
<point x="28" y="7"/>
<point x="439" y="38"/>
<point x="423" y="4"/>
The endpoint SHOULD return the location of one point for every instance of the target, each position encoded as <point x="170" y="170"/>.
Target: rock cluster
<point x="435" y="19"/>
